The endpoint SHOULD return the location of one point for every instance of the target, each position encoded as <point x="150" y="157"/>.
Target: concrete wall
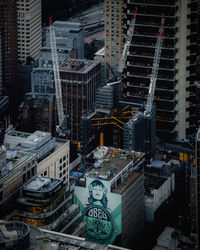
<point x="181" y="65"/>
<point x="54" y="166"/>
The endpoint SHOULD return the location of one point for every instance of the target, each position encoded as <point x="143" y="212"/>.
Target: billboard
<point x="101" y="210"/>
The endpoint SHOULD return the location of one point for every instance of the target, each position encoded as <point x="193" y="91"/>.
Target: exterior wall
<point x="158" y="197"/>
<point x="113" y="33"/>
<point x="38" y="109"/>
<point x="1" y="82"/>
<point x="8" y="43"/>
<point x="197" y="186"/>
<point x="101" y="210"/>
<point x="79" y="93"/>
<point x="161" y="194"/>
<point x="70" y="44"/>
<point x="29" y="29"/>
<point x="133" y="214"/>
<point x="193" y="200"/>
<point x="11" y="183"/>
<point x="174" y="94"/>
<point x="181" y="65"/>
<point x="56" y="165"/>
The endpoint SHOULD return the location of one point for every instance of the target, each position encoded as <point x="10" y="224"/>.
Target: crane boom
<point x="61" y="128"/>
<point x="125" y="49"/>
<point x="154" y="72"/>
<point x="127" y="43"/>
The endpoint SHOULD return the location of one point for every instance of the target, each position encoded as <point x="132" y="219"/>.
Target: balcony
<point x="150" y="55"/>
<point x="159" y="4"/>
<point x="41" y="215"/>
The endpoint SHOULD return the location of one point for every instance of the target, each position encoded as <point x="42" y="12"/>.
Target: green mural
<point x="101" y="210"/>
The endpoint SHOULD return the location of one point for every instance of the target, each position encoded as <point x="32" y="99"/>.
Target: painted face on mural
<point x="101" y="210"/>
<point x="97" y="192"/>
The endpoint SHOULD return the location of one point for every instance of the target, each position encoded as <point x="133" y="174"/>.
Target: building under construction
<point x="140" y="133"/>
<point x="174" y="95"/>
<point x="122" y="127"/>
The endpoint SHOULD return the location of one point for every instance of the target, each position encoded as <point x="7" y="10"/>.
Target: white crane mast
<point x="61" y="129"/>
<point x="154" y="72"/>
<point x="125" y="49"/>
<point x="127" y="43"/>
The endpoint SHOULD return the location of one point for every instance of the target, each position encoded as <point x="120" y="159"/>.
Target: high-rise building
<point x="16" y="168"/>
<point x="174" y="94"/>
<point x="197" y="149"/>
<point x="52" y="154"/>
<point x="70" y="44"/>
<point x="113" y="33"/>
<point x="72" y="34"/>
<point x="8" y="30"/>
<point x="197" y="83"/>
<point x="1" y="83"/>
<point x="111" y="196"/>
<point x="29" y="29"/>
<point x="80" y="80"/>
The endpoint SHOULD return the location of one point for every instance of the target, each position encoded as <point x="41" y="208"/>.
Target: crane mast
<point x="125" y="49"/>
<point x="61" y="128"/>
<point x="127" y="43"/>
<point x="154" y="72"/>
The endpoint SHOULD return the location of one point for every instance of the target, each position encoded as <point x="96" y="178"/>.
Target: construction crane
<point x="61" y="129"/>
<point x="154" y="73"/>
<point x="125" y="50"/>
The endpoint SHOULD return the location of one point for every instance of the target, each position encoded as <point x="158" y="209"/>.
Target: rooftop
<point x="78" y="65"/>
<point x="40" y="143"/>
<point x="67" y="25"/>
<point x="74" y="242"/>
<point x="41" y="184"/>
<point x="111" y="163"/>
<point x="153" y="181"/>
<point x="13" y="160"/>
<point x="157" y="164"/>
<point x="15" y="234"/>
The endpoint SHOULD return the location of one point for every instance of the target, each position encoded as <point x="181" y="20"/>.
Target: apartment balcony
<point x="148" y="76"/>
<point x="169" y="107"/>
<point x="134" y="54"/>
<point x="146" y="68"/>
<point x="168" y="120"/>
<point x="170" y="114"/>
<point x="156" y="98"/>
<point x="165" y="125"/>
<point x="149" y="3"/>
<point x="166" y="134"/>
<point x="152" y="46"/>
<point x="144" y="87"/>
